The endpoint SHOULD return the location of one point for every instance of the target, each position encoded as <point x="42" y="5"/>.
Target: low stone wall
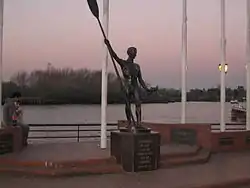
<point x="11" y="136"/>
<point x="200" y="135"/>
<point x="192" y="134"/>
<point x="230" y="141"/>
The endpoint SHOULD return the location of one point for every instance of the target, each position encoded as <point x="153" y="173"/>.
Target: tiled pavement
<point x="224" y="167"/>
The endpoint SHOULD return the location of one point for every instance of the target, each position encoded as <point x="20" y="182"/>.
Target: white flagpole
<point x="184" y="63"/>
<point x="248" y="66"/>
<point x="223" y="62"/>
<point x="1" y="57"/>
<point x="104" y="78"/>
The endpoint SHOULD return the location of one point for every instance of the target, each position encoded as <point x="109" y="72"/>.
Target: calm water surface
<point x="197" y="112"/>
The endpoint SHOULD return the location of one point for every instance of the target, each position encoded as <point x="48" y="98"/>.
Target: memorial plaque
<point x="226" y="141"/>
<point x="184" y="136"/>
<point x="144" y="155"/>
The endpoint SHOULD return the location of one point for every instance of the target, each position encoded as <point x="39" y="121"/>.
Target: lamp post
<point x="184" y="63"/>
<point x="103" y="143"/>
<point x="1" y="57"/>
<point x="223" y="95"/>
<point x="223" y="67"/>
<point x="248" y="66"/>
<point x="220" y="68"/>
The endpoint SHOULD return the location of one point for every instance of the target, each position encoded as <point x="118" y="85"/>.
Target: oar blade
<point x="93" y="6"/>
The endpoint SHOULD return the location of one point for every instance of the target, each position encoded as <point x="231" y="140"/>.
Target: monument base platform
<point x="139" y="151"/>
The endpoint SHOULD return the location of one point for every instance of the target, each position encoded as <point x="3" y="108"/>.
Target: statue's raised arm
<point x="112" y="52"/>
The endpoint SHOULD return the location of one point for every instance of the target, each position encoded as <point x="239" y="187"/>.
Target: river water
<point x="197" y="112"/>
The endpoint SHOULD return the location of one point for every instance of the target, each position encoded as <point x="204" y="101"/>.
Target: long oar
<point x="93" y="6"/>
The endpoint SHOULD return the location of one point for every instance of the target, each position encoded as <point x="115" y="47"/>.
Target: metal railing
<point x="75" y="130"/>
<point x="229" y="126"/>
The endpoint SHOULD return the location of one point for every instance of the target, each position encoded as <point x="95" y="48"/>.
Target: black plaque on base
<point x="136" y="152"/>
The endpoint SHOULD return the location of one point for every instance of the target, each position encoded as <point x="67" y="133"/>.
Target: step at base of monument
<point x="57" y="164"/>
<point x="69" y="171"/>
<point x="183" y="155"/>
<point x="178" y="150"/>
<point x="60" y="168"/>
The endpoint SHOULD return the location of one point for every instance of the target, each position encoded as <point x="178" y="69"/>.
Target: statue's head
<point x="132" y="51"/>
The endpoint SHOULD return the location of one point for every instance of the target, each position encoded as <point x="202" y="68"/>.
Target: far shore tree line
<point x="83" y="86"/>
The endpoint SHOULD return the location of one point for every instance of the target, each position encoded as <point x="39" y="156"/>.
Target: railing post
<point x="78" y="133"/>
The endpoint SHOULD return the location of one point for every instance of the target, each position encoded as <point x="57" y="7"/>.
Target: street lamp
<point x="220" y="67"/>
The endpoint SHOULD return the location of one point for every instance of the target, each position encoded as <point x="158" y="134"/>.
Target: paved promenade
<point x="221" y="169"/>
<point x="59" y="152"/>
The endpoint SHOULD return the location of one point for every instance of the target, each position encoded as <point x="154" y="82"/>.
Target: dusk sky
<point x="64" y="33"/>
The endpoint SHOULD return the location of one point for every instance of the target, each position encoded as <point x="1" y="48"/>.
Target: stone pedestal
<point x="10" y="139"/>
<point x="136" y="152"/>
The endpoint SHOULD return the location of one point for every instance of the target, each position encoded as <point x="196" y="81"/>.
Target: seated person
<point x="12" y="115"/>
